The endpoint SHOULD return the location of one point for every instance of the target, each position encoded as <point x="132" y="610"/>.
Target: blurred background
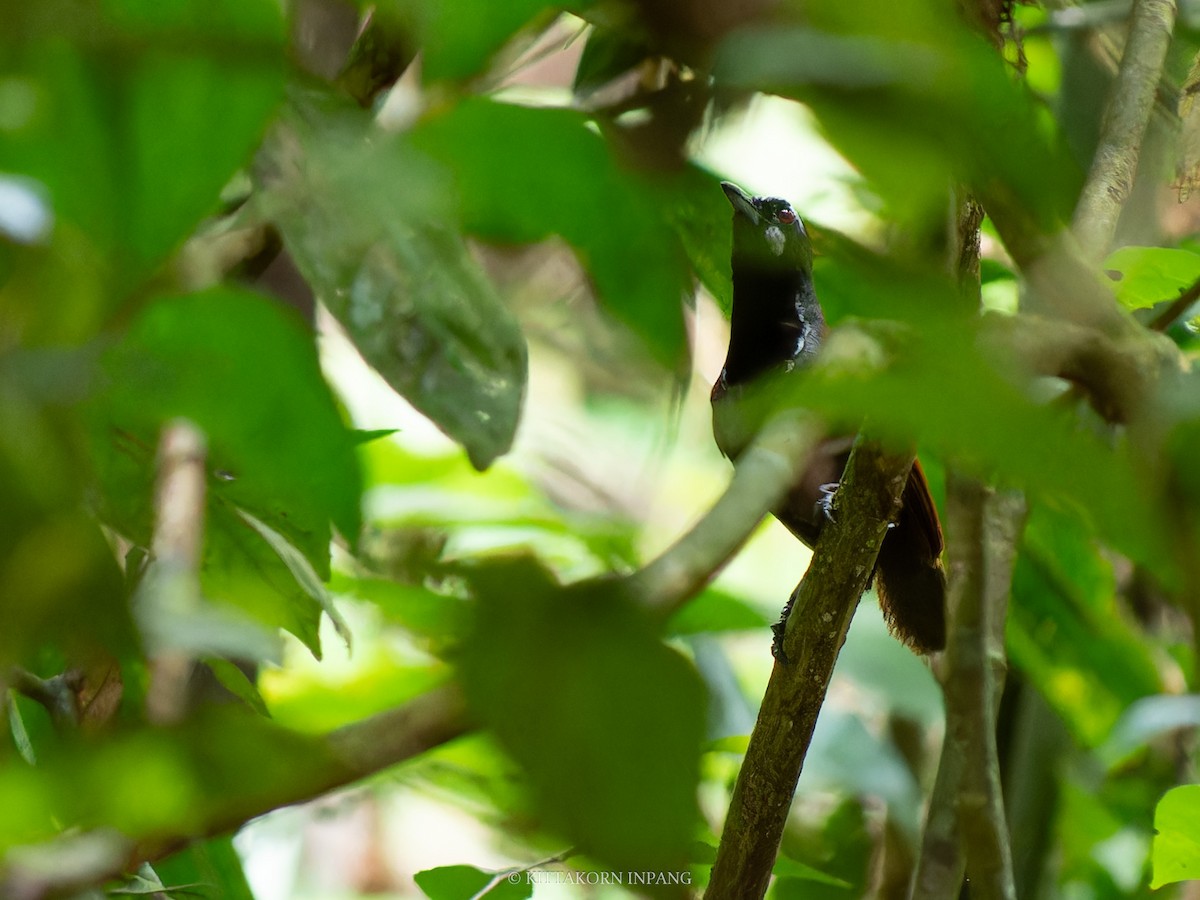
<point x="503" y="225"/>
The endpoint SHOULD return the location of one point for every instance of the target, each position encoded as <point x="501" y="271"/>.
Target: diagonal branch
<point x="764" y="473"/>
<point x="824" y="603"/>
<point x="363" y="748"/>
<point x="1130" y="106"/>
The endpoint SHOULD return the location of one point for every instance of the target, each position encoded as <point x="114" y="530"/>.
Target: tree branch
<point x="824" y="603"/>
<point x="764" y="474"/>
<point x="1130" y="106"/>
<point x="173" y="583"/>
<point x="964" y="826"/>
<point x="356" y="751"/>
<point x="59" y="694"/>
<point x="1178" y="307"/>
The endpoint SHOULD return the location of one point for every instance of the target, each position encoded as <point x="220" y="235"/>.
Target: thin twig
<point x="172" y="585"/>
<point x="1130" y="106"/>
<point x="58" y="694"/>
<point x="825" y="601"/>
<point x="1178" y="307"/>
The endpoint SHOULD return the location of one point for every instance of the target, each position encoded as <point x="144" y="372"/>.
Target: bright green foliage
<point x="466" y="882"/>
<point x="1177" y="838"/>
<point x="1145" y="276"/>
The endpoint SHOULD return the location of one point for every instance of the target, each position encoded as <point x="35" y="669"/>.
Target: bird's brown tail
<point x="911" y="583"/>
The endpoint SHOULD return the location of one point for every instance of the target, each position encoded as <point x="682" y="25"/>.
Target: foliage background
<point x="525" y="240"/>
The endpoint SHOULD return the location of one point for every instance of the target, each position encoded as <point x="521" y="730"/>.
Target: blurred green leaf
<point x="847" y="758"/>
<point x="1176" y="851"/>
<point x="716" y="610"/>
<point x="914" y="99"/>
<point x="1145" y="276"/>
<point x="439" y="618"/>
<point x="156" y="782"/>
<point x="560" y="676"/>
<point x="458" y="39"/>
<point x="141" y="115"/>
<point x="608" y="54"/>
<point x="467" y="883"/>
<point x="234" y="680"/>
<point x="695" y="207"/>
<point x="301" y="570"/>
<point x="877" y="663"/>
<point x="510" y="190"/>
<point x="1065" y="632"/>
<point x="368" y="223"/>
<point x="941" y="384"/>
<point x="59" y="579"/>
<point x="793" y="870"/>
<point x="1147" y="719"/>
<point x="246" y="373"/>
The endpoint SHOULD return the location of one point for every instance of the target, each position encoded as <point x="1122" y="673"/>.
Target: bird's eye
<point x="785" y="216"/>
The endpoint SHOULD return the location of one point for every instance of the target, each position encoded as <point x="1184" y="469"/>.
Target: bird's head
<point x="767" y="233"/>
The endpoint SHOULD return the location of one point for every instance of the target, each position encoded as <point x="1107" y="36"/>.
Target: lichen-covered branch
<point x="1131" y="104"/>
<point x="825" y="601"/>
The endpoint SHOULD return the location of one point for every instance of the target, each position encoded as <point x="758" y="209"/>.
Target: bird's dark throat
<point x="772" y="311"/>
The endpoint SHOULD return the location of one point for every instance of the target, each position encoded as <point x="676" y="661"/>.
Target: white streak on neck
<point x="775" y="240"/>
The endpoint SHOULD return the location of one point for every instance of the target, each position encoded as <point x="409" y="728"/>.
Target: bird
<point x="777" y="327"/>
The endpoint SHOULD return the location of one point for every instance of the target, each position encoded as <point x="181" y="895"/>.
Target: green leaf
<point x="467" y="883"/>
<point x="241" y="573"/>
<point x="510" y="189"/>
<point x="608" y="54"/>
<point x="301" y="571"/>
<point x="367" y="222"/>
<point x="693" y="204"/>
<point x="1145" y="276"/>
<point x="560" y="676"/>
<point x="234" y="680"/>
<point x="246" y="373"/>
<point x="1175" y="855"/>
<point x="458" y="39"/>
<point x="914" y="99"/>
<point x="716" y="610"/>
<point x="1066" y="633"/>
<point x="452" y="882"/>
<point x="788" y="868"/>
<point x="440" y="618"/>
<point x="142" y="114"/>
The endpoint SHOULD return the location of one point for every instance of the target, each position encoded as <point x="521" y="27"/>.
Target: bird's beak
<point x="741" y="202"/>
